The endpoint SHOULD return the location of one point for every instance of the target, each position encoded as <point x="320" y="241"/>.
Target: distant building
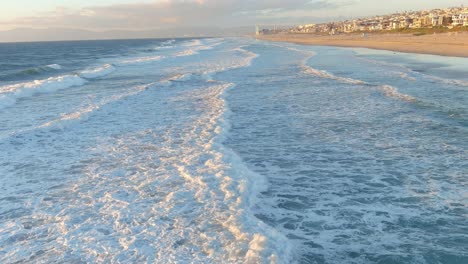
<point x="448" y="18"/>
<point x="447" y="21"/>
<point x="460" y="19"/>
<point x="436" y="20"/>
<point x="417" y="23"/>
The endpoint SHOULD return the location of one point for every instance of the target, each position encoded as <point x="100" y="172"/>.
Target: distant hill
<point x="57" y="34"/>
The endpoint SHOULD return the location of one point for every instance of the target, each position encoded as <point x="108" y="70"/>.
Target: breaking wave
<point x="148" y="59"/>
<point x="177" y="77"/>
<point x="186" y="53"/>
<point x="455" y="82"/>
<point x="393" y="92"/>
<point x="35" y="71"/>
<point x="321" y="73"/>
<point x="84" y="112"/>
<point x="327" y="75"/>
<point x="10" y="93"/>
<point x="98" y="72"/>
<point x="54" y="66"/>
<point x="191" y="43"/>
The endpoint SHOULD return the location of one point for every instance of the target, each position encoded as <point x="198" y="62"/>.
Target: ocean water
<point x="231" y="150"/>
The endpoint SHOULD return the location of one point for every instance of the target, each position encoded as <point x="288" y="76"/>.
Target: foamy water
<point x="232" y="151"/>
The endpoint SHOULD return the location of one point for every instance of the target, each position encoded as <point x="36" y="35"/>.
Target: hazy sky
<point x="147" y="14"/>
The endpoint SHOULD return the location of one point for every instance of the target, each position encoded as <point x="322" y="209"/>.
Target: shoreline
<point x="444" y="44"/>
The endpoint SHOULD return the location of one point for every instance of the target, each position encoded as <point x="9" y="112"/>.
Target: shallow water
<point x="231" y="151"/>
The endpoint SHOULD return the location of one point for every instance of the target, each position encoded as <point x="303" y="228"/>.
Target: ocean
<point x="231" y="150"/>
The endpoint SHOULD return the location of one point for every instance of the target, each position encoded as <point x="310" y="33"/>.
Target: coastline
<point x="445" y="44"/>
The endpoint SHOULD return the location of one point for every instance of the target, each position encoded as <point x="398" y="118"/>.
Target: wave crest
<point x="10" y="93"/>
<point x="98" y="72"/>
<point x="393" y="92"/>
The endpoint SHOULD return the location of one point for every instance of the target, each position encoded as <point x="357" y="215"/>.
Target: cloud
<point x="175" y="13"/>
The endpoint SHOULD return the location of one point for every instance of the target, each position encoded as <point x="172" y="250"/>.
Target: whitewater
<point x="231" y="150"/>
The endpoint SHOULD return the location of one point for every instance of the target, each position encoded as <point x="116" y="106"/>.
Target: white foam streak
<point x="163" y="47"/>
<point x="455" y="82"/>
<point x="250" y="56"/>
<point x="320" y="73"/>
<point x="405" y="76"/>
<point x="10" y="93"/>
<point x="196" y="47"/>
<point x="98" y="72"/>
<point x="195" y="42"/>
<point x="148" y="59"/>
<point x="223" y="187"/>
<point x="242" y="62"/>
<point x="186" y="53"/>
<point x="393" y="92"/>
<point x="177" y="77"/>
<point x="327" y="75"/>
<point x="84" y="112"/>
<point x="54" y="66"/>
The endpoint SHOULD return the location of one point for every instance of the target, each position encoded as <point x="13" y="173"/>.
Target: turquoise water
<point x="231" y="151"/>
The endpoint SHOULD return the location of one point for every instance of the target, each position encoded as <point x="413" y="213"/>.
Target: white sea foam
<point x="195" y="205"/>
<point x="174" y="194"/>
<point x="327" y="75"/>
<point x="250" y="56"/>
<point x="244" y="60"/>
<point x="266" y="244"/>
<point x="176" y="77"/>
<point x="321" y="73"/>
<point x="55" y="66"/>
<point x="184" y="53"/>
<point x="454" y="82"/>
<point x="407" y="77"/>
<point x="393" y="92"/>
<point x="98" y="72"/>
<point x="10" y="93"/>
<point x="84" y="112"/>
<point x="138" y="60"/>
<point x="404" y="75"/>
<point x="163" y="47"/>
<point x="148" y="178"/>
<point x="197" y="46"/>
<point x="169" y="42"/>
<point x="195" y="42"/>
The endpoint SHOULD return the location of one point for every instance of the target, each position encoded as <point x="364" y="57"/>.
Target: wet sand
<point x="446" y="44"/>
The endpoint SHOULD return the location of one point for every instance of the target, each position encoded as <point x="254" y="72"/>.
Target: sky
<point x="134" y="15"/>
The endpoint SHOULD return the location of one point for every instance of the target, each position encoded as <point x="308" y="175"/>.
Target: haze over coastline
<point x="123" y="19"/>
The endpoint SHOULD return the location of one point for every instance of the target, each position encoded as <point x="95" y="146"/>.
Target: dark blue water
<point x="29" y="61"/>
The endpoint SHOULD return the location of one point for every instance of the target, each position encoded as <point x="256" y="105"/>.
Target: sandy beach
<point x="446" y="44"/>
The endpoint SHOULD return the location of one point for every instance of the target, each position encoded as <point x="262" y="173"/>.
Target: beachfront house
<point x="417" y="23"/>
<point x="406" y="22"/>
<point x="460" y="19"/>
<point x="456" y="21"/>
<point x="449" y="17"/>
<point x="437" y="20"/>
